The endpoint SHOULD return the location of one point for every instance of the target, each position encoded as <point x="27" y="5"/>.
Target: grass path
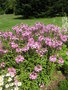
<point x="7" y="21"/>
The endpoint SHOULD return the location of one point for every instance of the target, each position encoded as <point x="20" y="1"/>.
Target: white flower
<point x="1" y="83"/>
<point x="3" y="76"/>
<point x="7" y="85"/>
<point x="0" y="88"/>
<point x="11" y="84"/>
<point x="1" y="79"/>
<point x="16" y="88"/>
<point x="19" y="83"/>
<point x="8" y="74"/>
<point x="12" y="89"/>
<point x="12" y="75"/>
<point x="9" y="79"/>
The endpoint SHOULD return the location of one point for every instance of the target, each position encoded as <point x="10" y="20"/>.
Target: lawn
<point x="7" y="21"/>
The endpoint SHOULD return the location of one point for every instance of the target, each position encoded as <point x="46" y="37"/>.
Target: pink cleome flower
<point x="60" y="61"/>
<point x="2" y="64"/>
<point x="26" y="48"/>
<point x="5" y="51"/>
<point x="19" y="59"/>
<point x="63" y="38"/>
<point x="18" y="50"/>
<point x="38" y="68"/>
<point x="14" y="45"/>
<point x="33" y="75"/>
<point x="48" y="41"/>
<point x="12" y="71"/>
<point x="52" y="58"/>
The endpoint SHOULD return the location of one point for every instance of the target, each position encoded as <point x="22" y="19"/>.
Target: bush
<point x="30" y="55"/>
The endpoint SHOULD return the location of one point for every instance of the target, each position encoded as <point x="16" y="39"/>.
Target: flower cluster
<point x="1" y="82"/>
<point x="2" y="64"/>
<point x="19" y="59"/>
<point x="14" y="45"/>
<point x="11" y="82"/>
<point x="38" y="68"/>
<point x="36" y="37"/>
<point x="54" y="59"/>
<point x="12" y="71"/>
<point x="34" y="75"/>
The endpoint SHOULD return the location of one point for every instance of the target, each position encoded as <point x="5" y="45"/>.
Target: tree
<point x="2" y="8"/>
<point x="34" y="8"/>
<point x="7" y="6"/>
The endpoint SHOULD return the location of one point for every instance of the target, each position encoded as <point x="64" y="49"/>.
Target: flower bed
<point x="30" y="55"/>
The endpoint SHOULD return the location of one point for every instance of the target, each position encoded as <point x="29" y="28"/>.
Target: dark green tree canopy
<point x="35" y="8"/>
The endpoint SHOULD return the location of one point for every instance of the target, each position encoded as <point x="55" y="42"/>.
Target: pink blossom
<point x="41" y="38"/>
<point x="15" y="27"/>
<point x="19" y="59"/>
<point x="60" y="61"/>
<point x="59" y="43"/>
<point x="48" y="41"/>
<point x="63" y="38"/>
<point x="54" y="44"/>
<point x="1" y="50"/>
<point x="0" y="42"/>
<point x="42" y="51"/>
<point x="52" y="58"/>
<point x="14" y="45"/>
<point x="0" y="34"/>
<point x="36" y="45"/>
<point x="2" y="64"/>
<point x="33" y="75"/>
<point x="38" y="68"/>
<point x="16" y="82"/>
<point x="18" y="50"/>
<point x="10" y="34"/>
<point x="5" y="51"/>
<point x="64" y="30"/>
<point x="26" y="48"/>
<point x="14" y="38"/>
<point x="5" y="35"/>
<point x="12" y="71"/>
<point x="26" y="33"/>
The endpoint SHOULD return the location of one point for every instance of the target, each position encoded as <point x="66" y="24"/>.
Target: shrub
<point x="32" y="53"/>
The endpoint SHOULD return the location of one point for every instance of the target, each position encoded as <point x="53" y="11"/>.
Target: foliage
<point x="38" y="8"/>
<point x="63" y="85"/>
<point x="7" y="6"/>
<point x="34" y="8"/>
<point x="64" y="54"/>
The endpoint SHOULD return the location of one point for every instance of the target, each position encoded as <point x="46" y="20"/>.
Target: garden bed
<point x="31" y="55"/>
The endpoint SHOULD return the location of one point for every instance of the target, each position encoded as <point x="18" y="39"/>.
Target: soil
<point x="53" y="84"/>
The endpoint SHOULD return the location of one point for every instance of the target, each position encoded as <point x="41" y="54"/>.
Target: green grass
<point x="7" y="21"/>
